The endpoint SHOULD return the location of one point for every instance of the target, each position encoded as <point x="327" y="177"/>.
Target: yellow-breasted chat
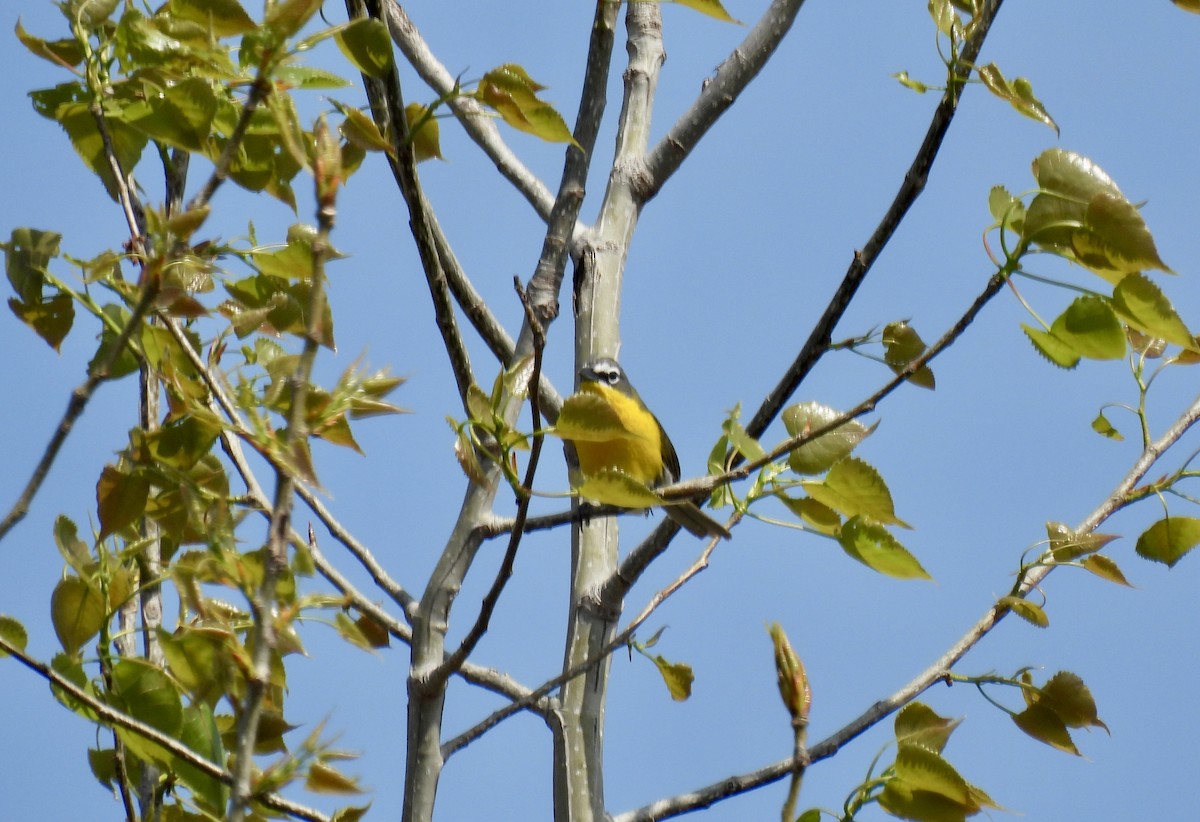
<point x="622" y="449"/>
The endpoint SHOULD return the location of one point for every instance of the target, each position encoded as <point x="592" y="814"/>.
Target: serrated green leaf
<point x="854" y="488"/>
<point x="12" y="632"/>
<point x="179" y="115"/>
<point x="77" y="611"/>
<point x="1045" y="726"/>
<point x="924" y="770"/>
<point x="1104" y="428"/>
<point x="367" y="44"/>
<point x="225" y="18"/>
<point x="612" y="486"/>
<point x="324" y="778"/>
<point x="918" y="724"/>
<point x="1169" y="539"/>
<point x="1105" y="568"/>
<point x="1090" y="328"/>
<point x="677" y="676"/>
<point x="1066" y="545"/>
<point x="1066" y="694"/>
<point x="1054" y="350"/>
<point x="711" y="8"/>
<point x="901" y="345"/>
<point x="509" y="91"/>
<point x="73" y="549"/>
<point x="818" y="516"/>
<point x="1115" y="237"/>
<point x="1006" y="209"/>
<point x="1018" y="93"/>
<point x="1142" y="304"/>
<point x="67" y="52"/>
<point x="873" y="546"/>
<point x="1026" y="610"/>
<point x="819" y="455"/>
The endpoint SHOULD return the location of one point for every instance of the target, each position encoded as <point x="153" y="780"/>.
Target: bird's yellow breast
<point x="638" y="452"/>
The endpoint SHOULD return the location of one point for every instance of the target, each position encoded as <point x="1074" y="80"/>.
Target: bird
<point x="642" y="451"/>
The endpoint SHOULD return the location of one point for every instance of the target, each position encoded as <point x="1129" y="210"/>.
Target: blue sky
<point x="730" y="266"/>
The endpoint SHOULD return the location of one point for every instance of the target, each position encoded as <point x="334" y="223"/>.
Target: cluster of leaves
<point x="830" y="491"/>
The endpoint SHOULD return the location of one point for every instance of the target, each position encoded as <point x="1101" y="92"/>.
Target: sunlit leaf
<point x="854" y="488"/>
<point x="200" y="733"/>
<point x="51" y="320"/>
<point x="873" y="546"/>
<point x="816" y="515"/>
<point x="77" y="611"/>
<point x="1104" y="428"/>
<point x="922" y="769"/>
<point x="1066" y="545"/>
<point x="901" y="345"/>
<point x="120" y="499"/>
<point x="361" y="130"/>
<point x="918" y="724"/>
<point x="1046" y="726"/>
<point x="711" y="8"/>
<point x="66" y="52"/>
<point x="1142" y="304"/>
<point x="1054" y="350"/>
<point x="1169" y="539"/>
<point x="1066" y="694"/>
<point x="1105" y="568"/>
<point x="1091" y="329"/>
<point x="27" y="256"/>
<point x="509" y="90"/>
<point x="1026" y="610"/>
<point x="367" y="44"/>
<point x="288" y="17"/>
<point x="323" y="778"/>
<point x="819" y="455"/>
<point x="224" y="18"/>
<point x="612" y="486"/>
<point x="741" y="441"/>
<point x="909" y="83"/>
<point x="1018" y="93"/>
<point x="12" y="632"/>
<point x="1006" y="209"/>
<point x="678" y="677"/>
<point x="424" y="132"/>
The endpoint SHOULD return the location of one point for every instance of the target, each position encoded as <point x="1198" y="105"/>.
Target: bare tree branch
<point x="476" y="121"/>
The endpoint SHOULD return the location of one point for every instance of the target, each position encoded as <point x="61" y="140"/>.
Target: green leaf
<point x="148" y="695"/>
<point x="1090" y="328"/>
<point x="1169" y="539"/>
<point x="27" y="256"/>
<point x="918" y="724"/>
<point x="224" y="18"/>
<point x="360" y="130"/>
<point x="424" y="132"/>
<point x="510" y="91"/>
<point x="199" y="732"/>
<point x="72" y="548"/>
<point x="612" y="486"/>
<point x="91" y="13"/>
<point x="1104" y="428"/>
<point x="1116" y="237"/>
<point x="12" y="632"/>
<point x="77" y="611"/>
<point x="1142" y="304"/>
<point x="1046" y="726"/>
<point x="901" y="345"/>
<point x="1105" y="568"/>
<point x="120" y="499"/>
<point x="179" y="115"/>
<point x="323" y="778"/>
<point x="678" y="677"/>
<point x="1066" y="545"/>
<point x="1018" y="93"/>
<point x="67" y="52"/>
<point x="309" y="77"/>
<point x="873" y="546"/>
<point x="78" y="122"/>
<point x="1066" y="694"/>
<point x="1051" y="347"/>
<point x="367" y="44"/>
<point x="819" y="455"/>
<point x="816" y="515"/>
<point x="909" y="83"/>
<point x="924" y="770"/>
<point x="1026" y="610"/>
<point x="289" y="17"/>
<point x="947" y="22"/>
<point x="1006" y="209"/>
<point x="711" y="8"/>
<point x="853" y="488"/>
<point x="51" y="320"/>
<point x="741" y="441"/>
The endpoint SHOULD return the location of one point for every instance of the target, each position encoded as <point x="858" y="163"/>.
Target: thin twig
<point x="259" y="90"/>
<point x="75" y="407"/>
<point x="731" y="786"/>
<point x="620" y="640"/>
<point x="479" y="124"/>
<point x="492" y="599"/>
<point x="910" y="189"/>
